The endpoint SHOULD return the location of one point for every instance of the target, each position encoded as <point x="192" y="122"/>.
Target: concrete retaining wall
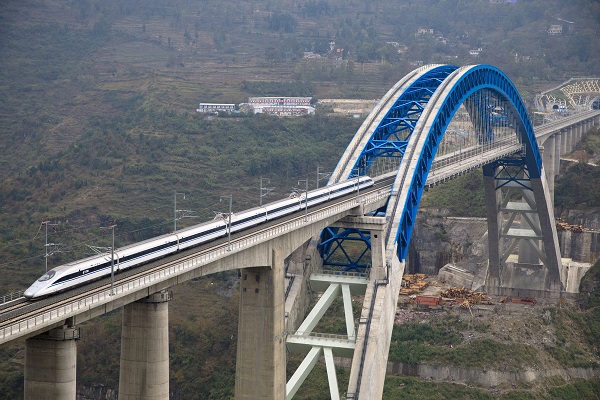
<point x="488" y="378"/>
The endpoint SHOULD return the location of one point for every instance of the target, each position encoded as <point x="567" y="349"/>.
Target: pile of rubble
<point x="462" y="294"/>
<point x="413" y="284"/>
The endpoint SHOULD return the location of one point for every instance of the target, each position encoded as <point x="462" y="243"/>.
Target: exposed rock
<point x="488" y="378"/>
<point x="438" y="240"/>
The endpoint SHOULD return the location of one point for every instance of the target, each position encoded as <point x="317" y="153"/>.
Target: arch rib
<point x="394" y="116"/>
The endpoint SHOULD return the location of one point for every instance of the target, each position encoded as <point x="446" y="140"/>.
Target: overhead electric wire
<point x="80" y="244"/>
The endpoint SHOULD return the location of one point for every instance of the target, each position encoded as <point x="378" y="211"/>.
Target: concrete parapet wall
<point x="580" y="246"/>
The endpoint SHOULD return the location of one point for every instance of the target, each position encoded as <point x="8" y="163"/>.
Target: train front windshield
<point x="47" y="275"/>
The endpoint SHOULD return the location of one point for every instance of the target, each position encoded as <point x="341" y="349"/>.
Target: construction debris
<point x="413" y="284"/>
<point x="562" y="225"/>
<point x="525" y="300"/>
<point x="429" y="300"/>
<point x="465" y="304"/>
<point x="462" y="294"/>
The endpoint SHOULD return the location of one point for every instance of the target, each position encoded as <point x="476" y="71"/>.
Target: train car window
<point x="283" y="208"/>
<point x="152" y="250"/>
<point x="317" y="197"/>
<point x="241" y="221"/>
<point x="47" y="275"/>
<point x="67" y="278"/>
<point x="203" y="233"/>
<point x="99" y="267"/>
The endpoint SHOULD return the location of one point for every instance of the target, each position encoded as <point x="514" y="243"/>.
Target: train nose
<point x="31" y="291"/>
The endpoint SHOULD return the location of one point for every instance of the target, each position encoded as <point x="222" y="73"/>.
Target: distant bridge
<point x="406" y="145"/>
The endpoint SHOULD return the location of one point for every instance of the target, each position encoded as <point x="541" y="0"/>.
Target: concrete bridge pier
<point x="549" y="155"/>
<point x="493" y="200"/>
<point x="572" y="142"/>
<point x="144" y="373"/>
<point x="563" y="141"/>
<point x="261" y="356"/>
<point x="557" y="153"/>
<point x="50" y="365"/>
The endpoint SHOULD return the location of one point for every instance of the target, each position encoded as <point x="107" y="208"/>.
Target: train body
<point x="80" y="272"/>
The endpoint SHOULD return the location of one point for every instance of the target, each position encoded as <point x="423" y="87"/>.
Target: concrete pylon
<point x="260" y="364"/>
<point x="557" y="153"/>
<point x="492" y="201"/>
<point x="144" y="373"/>
<point x="50" y="365"/>
<point x="548" y="160"/>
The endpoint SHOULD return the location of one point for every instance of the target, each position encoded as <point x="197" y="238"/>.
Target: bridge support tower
<point x="50" y="365"/>
<point x="260" y="365"/>
<point x="144" y="373"/>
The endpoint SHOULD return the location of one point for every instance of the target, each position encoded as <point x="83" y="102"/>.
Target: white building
<point x="283" y="106"/>
<point x="215" y="107"/>
<point x="555" y="30"/>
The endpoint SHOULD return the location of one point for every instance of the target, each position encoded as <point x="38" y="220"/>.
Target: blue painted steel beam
<point x="508" y="170"/>
<point x="332" y="244"/>
<point x="475" y="79"/>
<point x="391" y="136"/>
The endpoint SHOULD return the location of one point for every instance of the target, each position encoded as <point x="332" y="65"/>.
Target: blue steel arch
<point x="457" y="88"/>
<point x="431" y="93"/>
<point x="392" y="134"/>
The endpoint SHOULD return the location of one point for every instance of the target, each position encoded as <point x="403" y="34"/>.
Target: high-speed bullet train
<point x="80" y="272"/>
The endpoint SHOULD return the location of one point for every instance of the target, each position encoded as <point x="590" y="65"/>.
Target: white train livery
<point x="80" y="272"/>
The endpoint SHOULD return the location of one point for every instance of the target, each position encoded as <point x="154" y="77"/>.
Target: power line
<point x="81" y="244"/>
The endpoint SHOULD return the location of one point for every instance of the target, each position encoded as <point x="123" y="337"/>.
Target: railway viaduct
<point x="408" y="127"/>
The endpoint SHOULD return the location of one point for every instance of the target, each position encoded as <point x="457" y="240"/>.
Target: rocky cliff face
<point x="439" y="239"/>
<point x="581" y="246"/>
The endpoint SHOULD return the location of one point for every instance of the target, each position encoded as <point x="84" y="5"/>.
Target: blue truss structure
<point x="509" y="170"/>
<point x="390" y="138"/>
<point x="334" y="253"/>
<point x="470" y="85"/>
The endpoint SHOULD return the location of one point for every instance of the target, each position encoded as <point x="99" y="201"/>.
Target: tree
<point x="280" y="22"/>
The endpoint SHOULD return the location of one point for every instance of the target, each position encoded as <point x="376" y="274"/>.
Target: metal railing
<point x="351" y="274"/>
<point x="322" y="335"/>
<point x="11" y="296"/>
